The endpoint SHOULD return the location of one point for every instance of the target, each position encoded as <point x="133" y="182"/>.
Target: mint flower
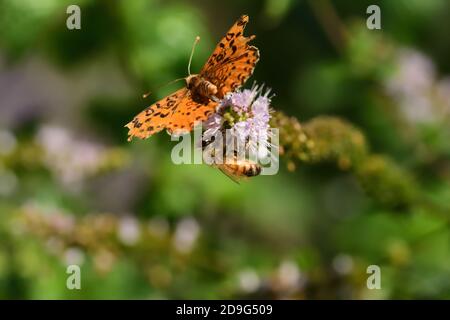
<point x="245" y="114"/>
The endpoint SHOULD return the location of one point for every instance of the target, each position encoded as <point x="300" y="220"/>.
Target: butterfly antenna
<point x="145" y="95"/>
<point x="197" y="39"/>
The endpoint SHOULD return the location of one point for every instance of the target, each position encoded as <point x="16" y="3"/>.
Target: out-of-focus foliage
<point x="366" y="143"/>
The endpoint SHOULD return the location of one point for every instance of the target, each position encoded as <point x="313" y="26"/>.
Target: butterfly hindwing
<point x="188" y="112"/>
<point x="156" y="117"/>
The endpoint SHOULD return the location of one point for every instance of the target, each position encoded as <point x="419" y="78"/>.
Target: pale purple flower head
<point x="246" y="114"/>
<point x="212" y="126"/>
<point x="241" y="101"/>
<point x="411" y="85"/>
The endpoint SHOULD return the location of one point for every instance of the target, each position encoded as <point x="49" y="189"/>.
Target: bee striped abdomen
<point x="252" y="170"/>
<point x="242" y="168"/>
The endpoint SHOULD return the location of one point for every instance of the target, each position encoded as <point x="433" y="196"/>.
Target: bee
<point x="237" y="169"/>
<point x="234" y="167"/>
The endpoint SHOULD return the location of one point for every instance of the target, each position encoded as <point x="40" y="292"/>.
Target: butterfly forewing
<point x="233" y="60"/>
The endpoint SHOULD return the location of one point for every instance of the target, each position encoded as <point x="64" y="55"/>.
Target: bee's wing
<point x="229" y="174"/>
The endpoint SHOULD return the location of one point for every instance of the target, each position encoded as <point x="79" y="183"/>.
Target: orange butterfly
<point x="230" y="65"/>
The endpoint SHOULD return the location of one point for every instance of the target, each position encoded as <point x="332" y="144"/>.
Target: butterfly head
<point x="192" y="81"/>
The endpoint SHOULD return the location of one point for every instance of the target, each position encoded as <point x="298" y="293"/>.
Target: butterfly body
<point x="200" y="87"/>
<point x="230" y="65"/>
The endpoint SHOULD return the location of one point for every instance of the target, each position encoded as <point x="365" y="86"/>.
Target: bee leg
<point x="215" y="99"/>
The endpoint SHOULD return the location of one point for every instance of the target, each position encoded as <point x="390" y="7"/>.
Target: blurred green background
<point x="74" y="191"/>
